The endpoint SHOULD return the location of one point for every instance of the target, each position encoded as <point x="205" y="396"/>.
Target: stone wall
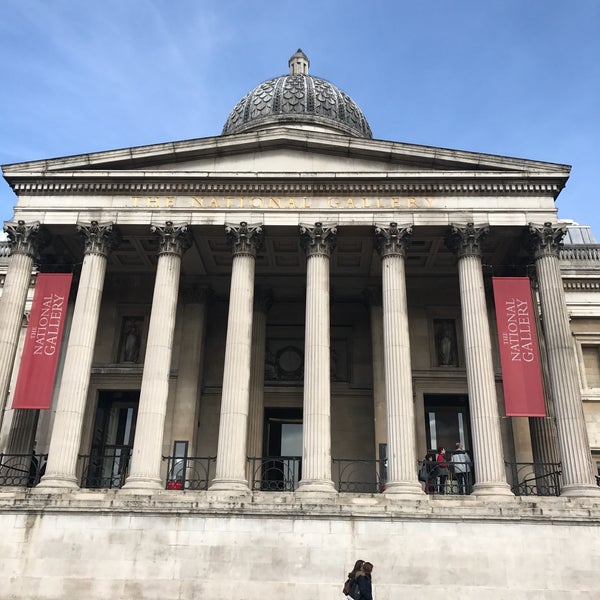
<point x="182" y="546"/>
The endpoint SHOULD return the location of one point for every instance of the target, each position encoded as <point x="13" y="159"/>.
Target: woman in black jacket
<point x="363" y="580"/>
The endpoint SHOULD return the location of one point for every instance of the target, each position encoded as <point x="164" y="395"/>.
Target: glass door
<point x="112" y="443"/>
<point x="282" y="463"/>
<point x="447" y="421"/>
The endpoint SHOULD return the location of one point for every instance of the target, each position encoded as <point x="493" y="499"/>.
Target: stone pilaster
<point x="391" y="241"/>
<point x="245" y="241"/>
<point x="189" y="373"/>
<point x="68" y="422"/>
<point x="318" y="242"/>
<point x="485" y="421"/>
<point x="262" y="303"/>
<point x="577" y="467"/>
<point x="375" y="304"/>
<point x="23" y="241"/>
<point x="147" y="445"/>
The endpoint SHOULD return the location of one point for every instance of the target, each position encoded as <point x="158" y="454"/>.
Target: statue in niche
<point x="131" y="339"/>
<point x="445" y="342"/>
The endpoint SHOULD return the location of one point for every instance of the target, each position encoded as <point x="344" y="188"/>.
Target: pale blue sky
<point x="513" y="77"/>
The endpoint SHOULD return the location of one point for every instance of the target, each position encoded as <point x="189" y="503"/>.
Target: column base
<point x="580" y="490"/>
<point x="405" y="489"/>
<point x="143" y="483"/>
<point x="497" y="490"/>
<point x="317" y="486"/>
<point x="56" y="481"/>
<point x="229" y="485"/>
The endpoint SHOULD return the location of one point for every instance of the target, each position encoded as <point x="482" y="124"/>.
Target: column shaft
<point x="146" y="458"/>
<point x="316" y="465"/>
<point x="488" y="458"/>
<point x="66" y="432"/>
<point x="233" y="427"/>
<point x="318" y="241"/>
<point x="487" y="440"/>
<point x="391" y="242"/>
<point x="398" y="380"/>
<point x="577" y="467"/>
<point x="12" y="302"/>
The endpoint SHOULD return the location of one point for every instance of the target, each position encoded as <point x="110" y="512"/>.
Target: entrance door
<point x="282" y="452"/>
<point x="447" y="421"/>
<point x="112" y="443"/>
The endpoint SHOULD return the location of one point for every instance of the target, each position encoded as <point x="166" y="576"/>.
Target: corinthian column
<point x="147" y="444"/>
<point x="576" y="459"/>
<point x="245" y="241"/>
<point x="402" y="463"/>
<point x="23" y="241"/>
<point x="318" y="242"/>
<point x="262" y="304"/>
<point x="66" y="432"/>
<point x="485" y="421"/>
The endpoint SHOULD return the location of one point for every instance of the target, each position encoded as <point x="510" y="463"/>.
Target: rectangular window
<point x="591" y="362"/>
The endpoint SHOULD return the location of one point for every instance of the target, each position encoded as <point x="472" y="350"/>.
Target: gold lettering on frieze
<point x="282" y="203"/>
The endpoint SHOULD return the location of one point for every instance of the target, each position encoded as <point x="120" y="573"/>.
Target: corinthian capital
<point x="391" y="240"/>
<point x="173" y="239"/>
<point x="244" y="239"/>
<point x="318" y="239"/>
<point x="546" y="239"/>
<point x="465" y="240"/>
<point x="98" y="238"/>
<point x="22" y="238"/>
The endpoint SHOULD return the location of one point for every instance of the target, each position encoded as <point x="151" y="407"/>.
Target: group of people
<point x="436" y="469"/>
<point x="359" y="581"/>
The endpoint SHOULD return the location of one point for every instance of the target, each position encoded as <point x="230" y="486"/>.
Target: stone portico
<point x="253" y="366"/>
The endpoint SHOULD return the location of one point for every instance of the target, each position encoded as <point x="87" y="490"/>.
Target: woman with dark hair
<point x="351" y="585"/>
<point x="363" y="579"/>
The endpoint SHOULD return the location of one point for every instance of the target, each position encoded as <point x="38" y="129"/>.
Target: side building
<point x="267" y="332"/>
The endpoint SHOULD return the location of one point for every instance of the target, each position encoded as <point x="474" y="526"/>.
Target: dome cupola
<point x="298" y="99"/>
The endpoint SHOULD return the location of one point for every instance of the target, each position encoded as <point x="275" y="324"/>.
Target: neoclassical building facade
<point x="267" y="331"/>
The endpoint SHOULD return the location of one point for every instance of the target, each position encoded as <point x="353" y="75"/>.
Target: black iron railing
<point x="360" y="476"/>
<point x="106" y="469"/>
<point x="275" y="473"/>
<point x="534" y="479"/>
<point x="190" y="472"/>
<point x="24" y="470"/>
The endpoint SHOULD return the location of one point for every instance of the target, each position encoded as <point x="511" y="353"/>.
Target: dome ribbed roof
<point x="297" y="98"/>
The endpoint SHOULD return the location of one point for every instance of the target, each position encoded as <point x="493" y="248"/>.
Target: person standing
<point x="461" y="462"/>
<point x="443" y="471"/>
<point x="428" y="473"/>
<point x="351" y="583"/>
<point x="363" y="579"/>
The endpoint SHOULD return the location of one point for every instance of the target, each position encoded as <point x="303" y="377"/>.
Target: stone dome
<point x="297" y="99"/>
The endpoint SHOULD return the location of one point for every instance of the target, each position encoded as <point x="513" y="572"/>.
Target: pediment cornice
<point x="421" y="157"/>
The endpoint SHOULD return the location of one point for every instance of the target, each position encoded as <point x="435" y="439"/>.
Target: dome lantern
<point x="299" y="63"/>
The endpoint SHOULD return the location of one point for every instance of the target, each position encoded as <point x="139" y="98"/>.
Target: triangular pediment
<point x="284" y="151"/>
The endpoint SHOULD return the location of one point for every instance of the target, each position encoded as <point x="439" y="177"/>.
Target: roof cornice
<point x="289" y="137"/>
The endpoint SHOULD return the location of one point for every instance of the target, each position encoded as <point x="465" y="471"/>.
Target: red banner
<point x="519" y="352"/>
<point x="42" y="344"/>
